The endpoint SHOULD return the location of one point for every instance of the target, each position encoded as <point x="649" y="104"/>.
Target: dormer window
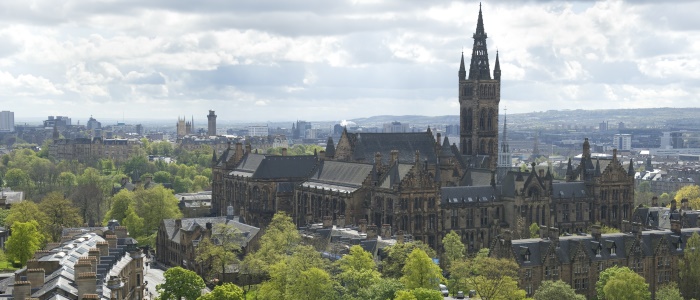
<point x="613" y="250"/>
<point x="679" y="243"/>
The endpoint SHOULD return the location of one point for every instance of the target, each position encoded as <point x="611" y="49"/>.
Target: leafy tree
<point x="665" y="198"/>
<point x="688" y="267"/>
<point x="426" y="294"/>
<point x="384" y="288"/>
<point x="180" y="284"/>
<point x="200" y="183"/>
<point x="460" y="270"/>
<point x="90" y="194"/>
<point x="690" y="192"/>
<point x="392" y="265"/>
<point x="405" y="295"/>
<point x="534" y="230"/>
<point x="67" y="181"/>
<point x="17" y="179"/>
<point x="669" y="292"/>
<point x="287" y="270"/>
<point x="226" y="291"/>
<point x="454" y="248"/>
<point x="358" y="271"/>
<point x="121" y="202"/>
<point x="420" y="271"/>
<point x="3" y="215"/>
<point x="181" y="185"/>
<point x="556" y="290"/>
<point x="312" y="284"/>
<point x="626" y="284"/>
<point x="154" y="205"/>
<point x="621" y="283"/>
<point x="134" y="224"/>
<point x="253" y="268"/>
<point x="281" y="237"/>
<point x="162" y="177"/>
<point x="24" y="241"/>
<point x="493" y="278"/>
<point x="219" y="249"/>
<point x="643" y="194"/>
<point x="60" y="213"/>
<point x="26" y="211"/>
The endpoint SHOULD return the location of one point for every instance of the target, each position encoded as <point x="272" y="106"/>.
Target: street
<point x="153" y="277"/>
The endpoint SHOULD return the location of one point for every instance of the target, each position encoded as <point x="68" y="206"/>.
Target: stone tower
<point x="211" y="129"/>
<point x="479" y="96"/>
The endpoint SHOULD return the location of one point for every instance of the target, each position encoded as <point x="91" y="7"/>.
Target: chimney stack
<point x="372" y="232"/>
<point x="103" y="247"/>
<point x="399" y="236"/>
<point x="87" y="284"/>
<point x="676" y="226"/>
<point x="120" y="232"/>
<point x="363" y="226"/>
<point x="327" y="222"/>
<point x="284" y="151"/>
<point x="654" y="201"/>
<point x="543" y="232"/>
<point x="596" y="232"/>
<point x="684" y="204"/>
<point x="386" y="231"/>
<point x="36" y="277"/>
<point x="112" y="240"/>
<point x="340" y="221"/>
<point x="22" y="290"/>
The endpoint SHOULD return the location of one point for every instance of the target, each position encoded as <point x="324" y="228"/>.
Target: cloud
<point x="329" y="60"/>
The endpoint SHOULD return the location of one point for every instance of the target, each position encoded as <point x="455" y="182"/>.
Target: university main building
<point x="422" y="185"/>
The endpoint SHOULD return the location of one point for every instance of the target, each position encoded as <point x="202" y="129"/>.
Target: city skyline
<point x="320" y="61"/>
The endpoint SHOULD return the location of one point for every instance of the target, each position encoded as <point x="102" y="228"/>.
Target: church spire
<point x="479" y="68"/>
<point x="462" y="70"/>
<point x="497" y="69"/>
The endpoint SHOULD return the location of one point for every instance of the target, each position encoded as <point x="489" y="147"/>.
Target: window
<point x="454" y="219"/>
<point x="418" y="223"/>
<point x="484" y="216"/>
<point x="528" y="273"/>
<point x="470" y="218"/>
<point x="431" y="222"/>
<point x="565" y="212"/>
<point x="416" y="203"/>
<point x="613" y="250"/>
<point x="579" y="211"/>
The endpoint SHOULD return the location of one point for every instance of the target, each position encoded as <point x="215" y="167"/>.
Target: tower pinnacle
<point x="479" y="68"/>
<point x="497" y="69"/>
<point x="462" y="70"/>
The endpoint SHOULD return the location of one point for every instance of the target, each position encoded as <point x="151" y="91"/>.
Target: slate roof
<point x="285" y="166"/>
<point x="366" y="145"/>
<point x="568" y="246"/>
<point x="469" y="194"/>
<point x="249" y="163"/>
<point x="396" y="173"/>
<point x="189" y="224"/>
<point x="565" y="190"/>
<point x="340" y="176"/>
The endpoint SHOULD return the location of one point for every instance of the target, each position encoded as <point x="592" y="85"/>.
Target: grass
<point x="6" y="266"/>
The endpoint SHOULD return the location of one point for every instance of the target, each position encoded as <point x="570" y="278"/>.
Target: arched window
<point x="482" y="119"/>
<point x="489" y="125"/>
<point x="469" y="147"/>
<point x="465" y="119"/>
<point x="492" y="148"/>
<point x="482" y="149"/>
<point x="464" y="146"/>
<point x="469" y="120"/>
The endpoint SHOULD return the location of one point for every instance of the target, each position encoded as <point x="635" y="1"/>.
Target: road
<point x="153" y="277"/>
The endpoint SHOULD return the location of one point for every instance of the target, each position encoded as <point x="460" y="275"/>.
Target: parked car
<point x="444" y="291"/>
<point x="460" y="295"/>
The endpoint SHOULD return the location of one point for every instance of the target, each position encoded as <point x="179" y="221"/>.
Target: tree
<point x="3" y="215"/>
<point x="688" y="267"/>
<point x="60" y="213"/>
<point x="420" y="271"/>
<point x="426" y="294"/>
<point x="534" y="230"/>
<point x="459" y="272"/>
<point x="200" y="183"/>
<point x="26" y="211"/>
<point x="384" y="288"/>
<point x="121" y="202"/>
<point x="220" y="249"/>
<point x="669" y="292"/>
<point x="89" y="195"/>
<point x="626" y="285"/>
<point x="17" y="179"/>
<point x="358" y="271"/>
<point x="621" y="283"/>
<point x="154" y="205"/>
<point x="643" y="194"/>
<point x="180" y="284"/>
<point x="226" y="291"/>
<point x="162" y="177"/>
<point x="493" y="278"/>
<point x="454" y="248"/>
<point x="392" y="265"/>
<point x="690" y="192"/>
<point x="312" y="284"/>
<point x="287" y="270"/>
<point x="405" y="295"/>
<point x="181" y="185"/>
<point x="67" y="181"/>
<point x="280" y="237"/>
<point x="556" y="290"/>
<point x="24" y="241"/>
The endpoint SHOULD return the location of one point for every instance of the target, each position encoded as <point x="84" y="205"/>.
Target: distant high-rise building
<point x="603" y="126"/>
<point x="183" y="127"/>
<point x="258" y="130"/>
<point x="58" y="121"/>
<point x="395" y="127"/>
<point x="211" y="117"/>
<point x="7" y="121"/>
<point x="621" y="126"/>
<point x="622" y="142"/>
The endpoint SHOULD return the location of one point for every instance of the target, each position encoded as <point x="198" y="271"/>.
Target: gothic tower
<point x="479" y="96"/>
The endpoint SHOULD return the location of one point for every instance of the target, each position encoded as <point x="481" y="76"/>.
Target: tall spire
<point x="462" y="70"/>
<point x="497" y="69"/>
<point x="479" y="68"/>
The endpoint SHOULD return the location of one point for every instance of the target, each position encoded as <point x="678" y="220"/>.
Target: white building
<point x="258" y="130"/>
<point x="7" y="121"/>
<point x="395" y="127"/>
<point x="622" y="142"/>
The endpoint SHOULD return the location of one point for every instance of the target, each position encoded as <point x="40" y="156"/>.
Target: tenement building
<point x="579" y="259"/>
<point x="422" y="186"/>
<point x="91" y="150"/>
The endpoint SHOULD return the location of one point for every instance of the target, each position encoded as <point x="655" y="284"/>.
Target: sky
<point x="320" y="60"/>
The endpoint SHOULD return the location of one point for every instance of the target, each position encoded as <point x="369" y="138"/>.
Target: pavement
<point x="154" y="276"/>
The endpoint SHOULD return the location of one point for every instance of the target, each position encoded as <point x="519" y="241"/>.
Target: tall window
<point x="454" y="219"/>
<point x="484" y="217"/>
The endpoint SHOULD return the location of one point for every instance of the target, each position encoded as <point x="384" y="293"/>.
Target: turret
<point x="497" y="69"/>
<point x="462" y="71"/>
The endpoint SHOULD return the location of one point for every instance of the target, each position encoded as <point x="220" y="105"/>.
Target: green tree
<point x="688" y="268"/>
<point x="643" y="194"/>
<point x="67" y="181"/>
<point x="121" y="202"/>
<point x="220" y="249"/>
<point x="556" y="290"/>
<point x="287" y="270"/>
<point x="454" y="248"/>
<point x="60" y="213"/>
<point x="534" y="230"/>
<point x="384" y="288"/>
<point x="605" y="230"/>
<point x="162" y="177"/>
<point x="154" y="205"/>
<point x="26" y="211"/>
<point x="358" y="271"/>
<point x="392" y="265"/>
<point x="17" y="179"/>
<point x="90" y="194"/>
<point x="690" y="192"/>
<point x="405" y="295"/>
<point x="226" y="291"/>
<point x="621" y="283"/>
<point x="669" y="292"/>
<point x="312" y="284"/>
<point x="493" y="278"/>
<point x="182" y="185"/>
<point x="281" y="237"/>
<point x="426" y="294"/>
<point x="460" y="270"/>
<point x="626" y="285"/>
<point x="420" y="271"/>
<point x="3" y="215"/>
<point x="180" y="284"/>
<point x="24" y="241"/>
<point x="200" y="183"/>
<point x="134" y="224"/>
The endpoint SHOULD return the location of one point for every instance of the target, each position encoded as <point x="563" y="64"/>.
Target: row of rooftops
<point x="596" y="246"/>
<point x="54" y="272"/>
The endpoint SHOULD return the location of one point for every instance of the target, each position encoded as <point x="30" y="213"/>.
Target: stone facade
<point x="87" y="150"/>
